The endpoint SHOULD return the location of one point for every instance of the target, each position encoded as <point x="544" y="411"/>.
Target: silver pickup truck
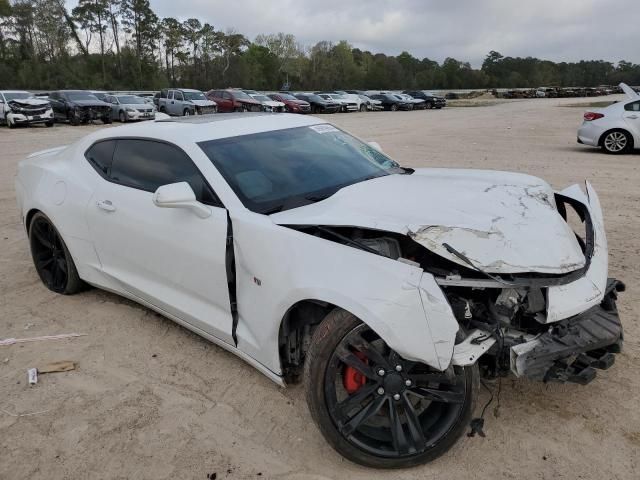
<point x="184" y="102"/>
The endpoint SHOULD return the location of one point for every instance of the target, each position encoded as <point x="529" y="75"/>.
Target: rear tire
<point x="407" y="416"/>
<point x="49" y="124"/>
<point x="51" y="257"/>
<point x="616" y="142"/>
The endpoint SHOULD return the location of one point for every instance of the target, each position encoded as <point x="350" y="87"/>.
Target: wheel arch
<point x="617" y="129"/>
<point x="29" y="217"/>
<point x="294" y="334"/>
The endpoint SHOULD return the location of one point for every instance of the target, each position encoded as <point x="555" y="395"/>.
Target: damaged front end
<point x="530" y="291"/>
<point x="558" y="327"/>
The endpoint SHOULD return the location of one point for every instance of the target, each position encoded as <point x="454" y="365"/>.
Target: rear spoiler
<point x="48" y="151"/>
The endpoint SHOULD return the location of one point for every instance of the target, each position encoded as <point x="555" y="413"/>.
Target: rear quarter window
<point x="632" y="107"/>
<point x="100" y="156"/>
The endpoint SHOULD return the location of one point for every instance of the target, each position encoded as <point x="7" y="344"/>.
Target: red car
<point x="230" y="100"/>
<point x="291" y="103"/>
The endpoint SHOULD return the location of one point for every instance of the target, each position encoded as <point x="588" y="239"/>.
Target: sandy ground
<point x="152" y="400"/>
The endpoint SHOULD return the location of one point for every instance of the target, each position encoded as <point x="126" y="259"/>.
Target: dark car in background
<point x="230" y="100"/>
<point x="431" y="100"/>
<point x="392" y="102"/>
<point x="78" y="106"/>
<point x="291" y="103"/>
<point x="319" y="104"/>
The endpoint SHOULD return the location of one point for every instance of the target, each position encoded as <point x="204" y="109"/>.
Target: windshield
<point x="315" y="98"/>
<point x="286" y="96"/>
<point x="130" y="100"/>
<point x="262" y="98"/>
<point x="16" y="95"/>
<point x="284" y="169"/>
<point x="194" y="96"/>
<point x="81" y="96"/>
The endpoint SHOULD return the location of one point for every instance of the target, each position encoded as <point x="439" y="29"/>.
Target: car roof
<point x="14" y="91"/>
<point x="199" y="128"/>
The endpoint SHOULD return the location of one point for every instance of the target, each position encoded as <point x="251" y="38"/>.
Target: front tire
<point x="122" y="117"/>
<point x="617" y="142"/>
<point x="10" y="124"/>
<point x="394" y="107"/>
<point x="73" y="118"/>
<point x="363" y="108"/>
<point x="376" y="408"/>
<point x="51" y="257"/>
<point x="186" y="113"/>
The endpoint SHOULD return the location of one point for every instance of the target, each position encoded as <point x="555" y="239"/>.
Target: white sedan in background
<point x="268" y="104"/>
<point x="311" y="254"/>
<point x="127" y="108"/>
<point x="616" y="128"/>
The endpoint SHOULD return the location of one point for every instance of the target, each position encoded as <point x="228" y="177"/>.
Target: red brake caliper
<point x="352" y="379"/>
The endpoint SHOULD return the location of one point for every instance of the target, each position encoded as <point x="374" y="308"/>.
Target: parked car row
<point x="558" y="92"/>
<point x="83" y="106"/>
<point x="73" y="106"/>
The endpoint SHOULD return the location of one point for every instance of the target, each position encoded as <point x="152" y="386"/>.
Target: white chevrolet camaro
<point x="313" y="255"/>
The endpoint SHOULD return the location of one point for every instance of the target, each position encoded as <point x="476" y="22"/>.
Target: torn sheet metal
<point x="467" y="352"/>
<point x="564" y="301"/>
<point x="398" y="301"/>
<point x="503" y="222"/>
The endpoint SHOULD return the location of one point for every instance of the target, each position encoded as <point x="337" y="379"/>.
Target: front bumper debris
<point x="572" y="349"/>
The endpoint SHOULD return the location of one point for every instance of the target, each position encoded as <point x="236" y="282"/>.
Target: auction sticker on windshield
<point x="324" y="128"/>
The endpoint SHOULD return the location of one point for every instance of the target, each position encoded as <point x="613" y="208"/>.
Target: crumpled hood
<point x="502" y="222"/>
<point x="273" y="103"/>
<point x="204" y="103"/>
<point x="31" y="102"/>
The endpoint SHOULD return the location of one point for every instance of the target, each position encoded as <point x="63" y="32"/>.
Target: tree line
<point x="124" y="44"/>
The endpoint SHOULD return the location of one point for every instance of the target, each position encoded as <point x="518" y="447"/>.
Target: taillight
<point x="590" y="116"/>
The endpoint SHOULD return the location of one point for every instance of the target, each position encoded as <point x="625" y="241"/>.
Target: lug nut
<point x="396" y="397"/>
<point x="381" y="391"/>
<point x="398" y="368"/>
<point x="381" y="372"/>
<point x="407" y="382"/>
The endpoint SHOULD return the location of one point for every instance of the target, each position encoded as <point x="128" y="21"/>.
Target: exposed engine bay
<point x="510" y="310"/>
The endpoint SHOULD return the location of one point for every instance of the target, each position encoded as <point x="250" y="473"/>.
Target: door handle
<point x="633" y="117"/>
<point x="106" y="205"/>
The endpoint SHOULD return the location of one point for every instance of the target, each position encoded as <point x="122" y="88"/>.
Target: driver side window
<point x="147" y="165"/>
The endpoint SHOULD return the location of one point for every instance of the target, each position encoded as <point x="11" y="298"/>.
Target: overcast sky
<point x="559" y="30"/>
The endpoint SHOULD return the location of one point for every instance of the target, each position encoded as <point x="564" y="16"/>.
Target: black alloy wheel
<point x="51" y="257"/>
<point x="378" y="409"/>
